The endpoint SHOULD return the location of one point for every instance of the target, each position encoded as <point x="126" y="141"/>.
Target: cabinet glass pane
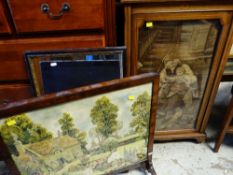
<point x="182" y="51"/>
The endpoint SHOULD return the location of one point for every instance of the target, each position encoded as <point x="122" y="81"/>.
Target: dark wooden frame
<point x="138" y="11"/>
<point x="81" y="93"/>
<point x="33" y="60"/>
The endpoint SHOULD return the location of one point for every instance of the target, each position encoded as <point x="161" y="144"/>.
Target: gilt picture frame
<point x="54" y="71"/>
<point x="96" y="129"/>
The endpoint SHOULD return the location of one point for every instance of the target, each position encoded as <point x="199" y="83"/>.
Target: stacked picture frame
<point x="57" y="70"/>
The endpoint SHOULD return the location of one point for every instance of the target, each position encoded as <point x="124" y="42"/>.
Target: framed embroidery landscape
<point x="100" y="129"/>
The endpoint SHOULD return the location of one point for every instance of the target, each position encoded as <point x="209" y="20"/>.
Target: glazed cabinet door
<point x="186" y="48"/>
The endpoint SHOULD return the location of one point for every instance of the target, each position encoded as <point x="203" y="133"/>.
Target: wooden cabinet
<point x="10" y="93"/>
<point x="188" y="43"/>
<point x="27" y="26"/>
<point x="12" y="51"/>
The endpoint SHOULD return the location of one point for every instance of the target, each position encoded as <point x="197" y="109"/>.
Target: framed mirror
<point x="61" y="70"/>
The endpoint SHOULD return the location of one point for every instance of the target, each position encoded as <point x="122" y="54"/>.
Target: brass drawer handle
<point x="45" y="9"/>
<point x="5" y="101"/>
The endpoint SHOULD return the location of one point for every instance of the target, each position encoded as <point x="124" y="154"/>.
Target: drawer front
<point x="12" y="65"/>
<point x="4" y="27"/>
<point x="82" y="14"/>
<point x="10" y="93"/>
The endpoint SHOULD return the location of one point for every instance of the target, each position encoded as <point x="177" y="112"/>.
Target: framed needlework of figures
<point x="98" y="129"/>
<point x="188" y="45"/>
<point x="54" y="71"/>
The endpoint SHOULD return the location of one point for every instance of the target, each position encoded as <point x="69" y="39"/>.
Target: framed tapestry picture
<point x="61" y="70"/>
<point x="98" y="129"/>
<point x="188" y="45"/>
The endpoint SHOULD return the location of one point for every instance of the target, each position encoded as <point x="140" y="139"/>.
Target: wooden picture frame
<point x="45" y="150"/>
<point x="155" y="13"/>
<point x="79" y="67"/>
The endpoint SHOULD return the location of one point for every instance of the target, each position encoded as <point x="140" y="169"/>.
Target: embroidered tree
<point x="24" y="129"/>
<point x="68" y="128"/>
<point x="81" y="137"/>
<point x="141" y="112"/>
<point x="67" y="124"/>
<point x="38" y="133"/>
<point x="104" y="116"/>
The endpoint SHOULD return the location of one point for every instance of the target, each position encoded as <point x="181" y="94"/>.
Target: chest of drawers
<point x="47" y="25"/>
